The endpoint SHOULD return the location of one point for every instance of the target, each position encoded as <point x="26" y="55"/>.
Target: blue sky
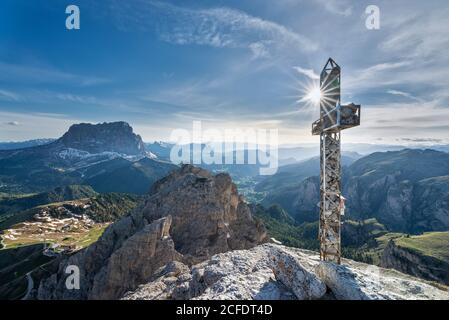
<point x="161" y="65"/>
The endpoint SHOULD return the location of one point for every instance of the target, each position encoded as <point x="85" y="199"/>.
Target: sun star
<point x="313" y="95"/>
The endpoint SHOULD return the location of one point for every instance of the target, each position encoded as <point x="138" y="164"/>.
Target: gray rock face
<point x="95" y="138"/>
<point x="411" y="262"/>
<point x="107" y="272"/>
<point x="205" y="216"/>
<point x="264" y="272"/>
<point x="358" y="281"/>
<point x="272" y="271"/>
<point x="209" y="216"/>
<point x="407" y="191"/>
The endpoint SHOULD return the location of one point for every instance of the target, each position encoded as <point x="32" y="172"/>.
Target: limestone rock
<point x="296" y="271"/>
<point x="415" y="263"/>
<point x="167" y="281"/>
<point x="188" y="216"/>
<point x="95" y="138"/>
<point x="264" y="272"/>
<point x="209" y="216"/>
<point x="106" y="273"/>
<point x="272" y="271"/>
<point x="358" y="281"/>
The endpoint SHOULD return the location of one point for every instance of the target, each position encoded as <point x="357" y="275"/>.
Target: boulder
<point x="359" y="281"/>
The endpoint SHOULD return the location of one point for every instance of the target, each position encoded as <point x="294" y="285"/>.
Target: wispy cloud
<point x="403" y="94"/>
<point x="9" y="96"/>
<point x="374" y="76"/>
<point x="422" y="140"/>
<point x="33" y="74"/>
<point x="25" y="126"/>
<point x="259" y="50"/>
<point x="340" y="7"/>
<point x="422" y="34"/>
<point x="307" y="72"/>
<point x="216" y="27"/>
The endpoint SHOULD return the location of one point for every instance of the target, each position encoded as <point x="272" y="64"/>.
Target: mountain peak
<point x="188" y="217"/>
<point x="95" y="138"/>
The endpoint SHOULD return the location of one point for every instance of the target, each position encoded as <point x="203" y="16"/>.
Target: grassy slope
<point x="25" y="254"/>
<point x="433" y="244"/>
<point x="102" y="208"/>
<point x="19" y="202"/>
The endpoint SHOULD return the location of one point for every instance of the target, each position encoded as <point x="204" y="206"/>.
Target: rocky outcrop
<point x="209" y="216"/>
<point x="188" y="216"/>
<point x="272" y="271"/>
<point x="264" y="272"/>
<point x="96" y="138"/>
<point x="414" y="263"/>
<point x="357" y="281"/>
<point x="116" y="263"/>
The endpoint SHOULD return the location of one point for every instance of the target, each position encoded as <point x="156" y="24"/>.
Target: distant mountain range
<point x="24" y="144"/>
<point x="86" y="154"/>
<point x="405" y="190"/>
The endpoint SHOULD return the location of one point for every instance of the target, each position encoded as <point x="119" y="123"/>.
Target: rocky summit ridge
<point x="95" y="138"/>
<point x="271" y="271"/>
<point x="194" y="237"/>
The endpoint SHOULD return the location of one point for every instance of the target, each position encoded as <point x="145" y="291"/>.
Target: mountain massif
<point x="405" y="190"/>
<point x="105" y="137"/>
<point x="107" y="156"/>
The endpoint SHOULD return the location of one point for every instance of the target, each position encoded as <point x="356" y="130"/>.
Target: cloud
<point x="33" y="126"/>
<point x="259" y="50"/>
<point x="403" y="94"/>
<point x="393" y="121"/>
<point x="339" y="7"/>
<point x="422" y="140"/>
<point x="420" y="35"/>
<point x="9" y="96"/>
<point x="307" y="72"/>
<point x="27" y="73"/>
<point x="216" y="27"/>
<point x="375" y="75"/>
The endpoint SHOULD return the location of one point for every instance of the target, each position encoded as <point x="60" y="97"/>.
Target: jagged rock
<point x="209" y="216"/>
<point x="415" y="263"/>
<point x="294" y="269"/>
<point x="95" y="138"/>
<point x="206" y="216"/>
<point x="272" y="271"/>
<point x="115" y="265"/>
<point x="358" y="281"/>
<point x="165" y="284"/>
<point x="264" y="272"/>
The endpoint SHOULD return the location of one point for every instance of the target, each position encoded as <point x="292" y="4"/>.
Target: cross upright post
<point x="334" y="117"/>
